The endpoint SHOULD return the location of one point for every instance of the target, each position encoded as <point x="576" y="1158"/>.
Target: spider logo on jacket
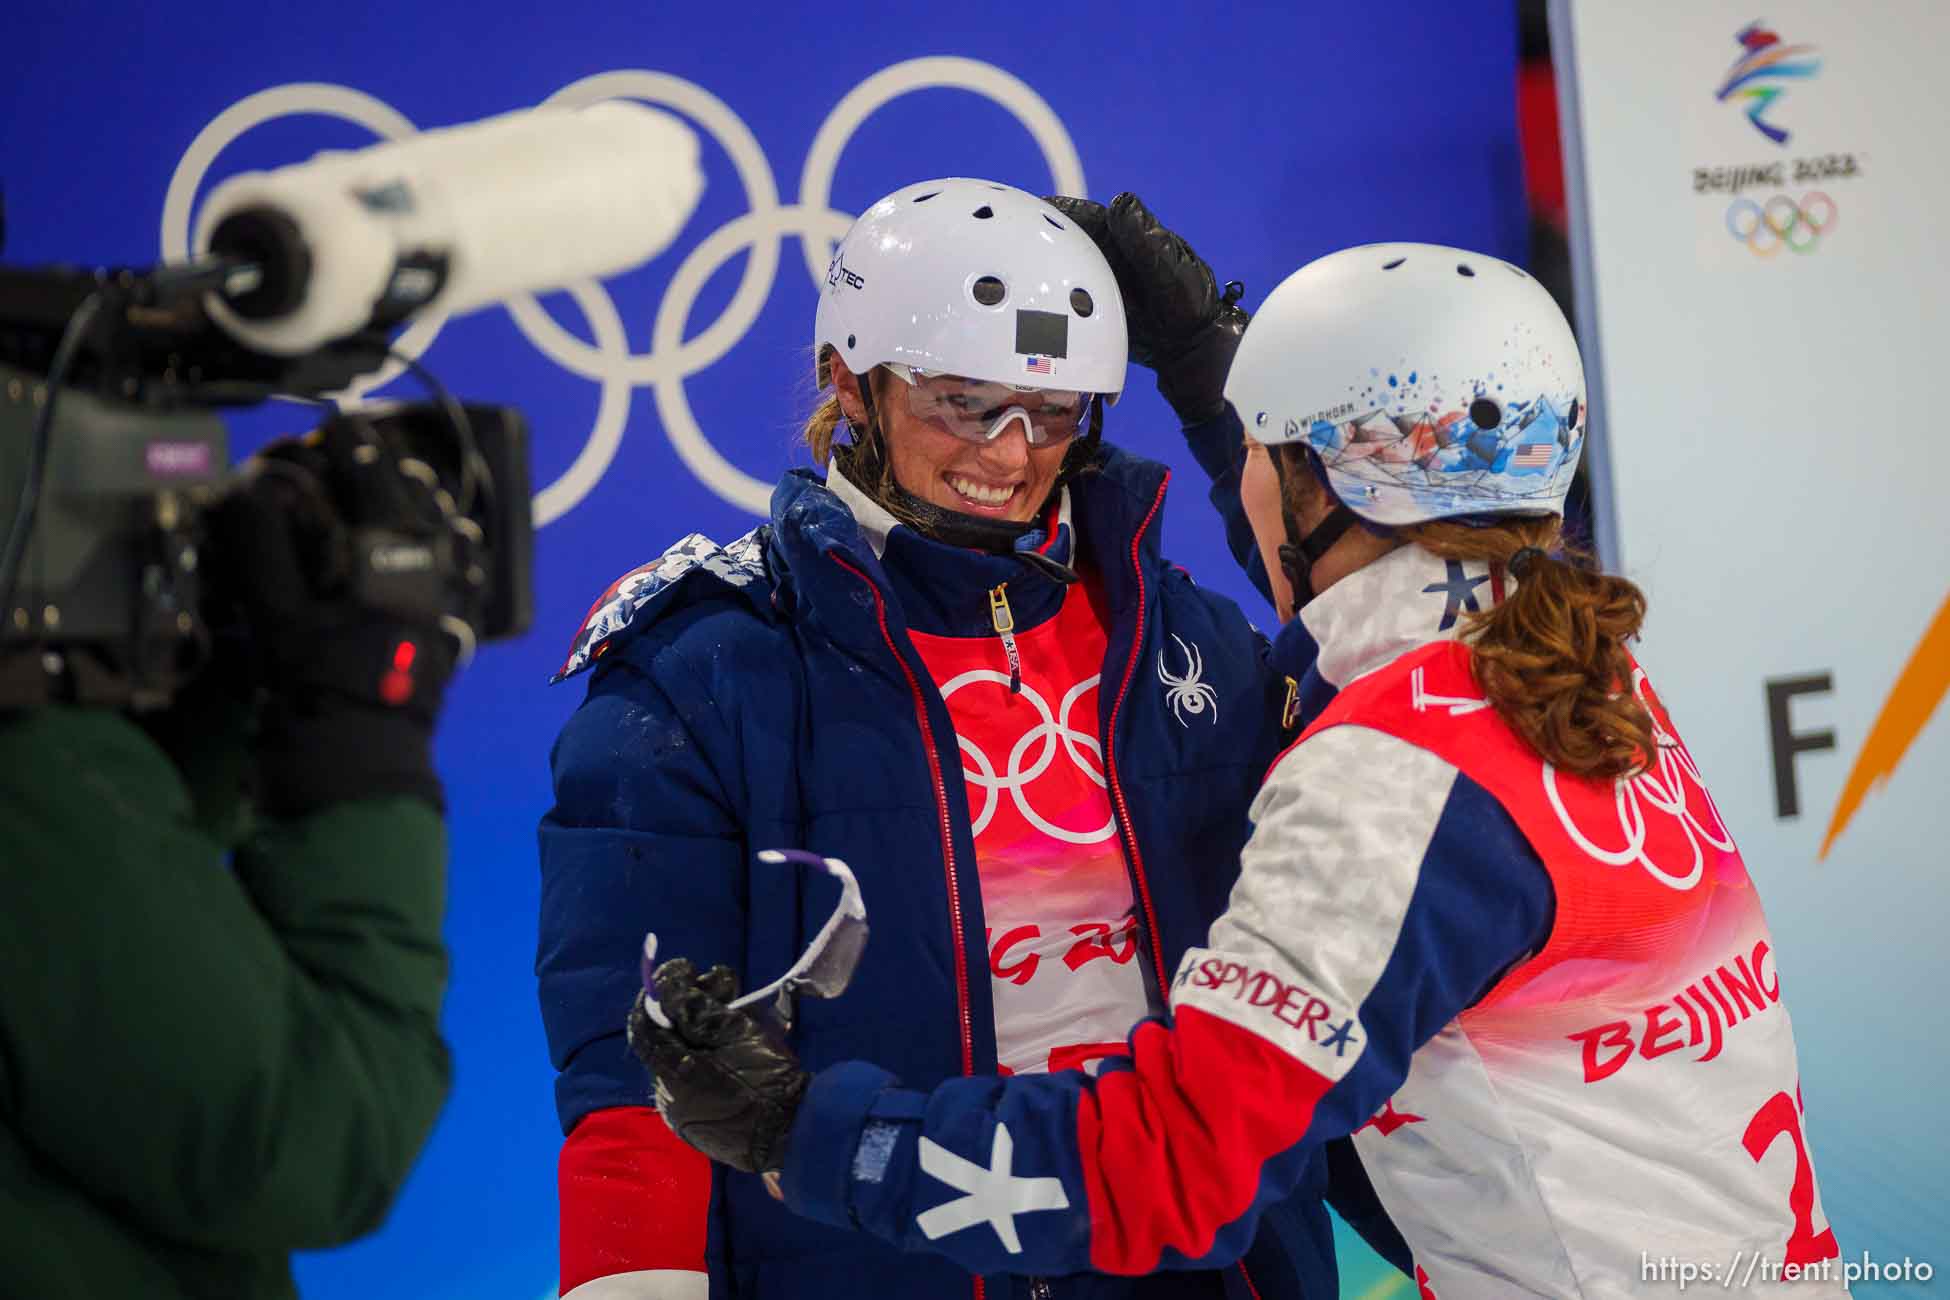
<point x="1187" y="694"/>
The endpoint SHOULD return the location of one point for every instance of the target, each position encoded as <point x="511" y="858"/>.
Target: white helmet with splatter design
<point x="1430" y="382"/>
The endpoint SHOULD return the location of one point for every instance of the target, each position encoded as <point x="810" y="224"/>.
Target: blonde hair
<point x="821" y="425"/>
<point x="866" y="464"/>
<point x="826" y="417"/>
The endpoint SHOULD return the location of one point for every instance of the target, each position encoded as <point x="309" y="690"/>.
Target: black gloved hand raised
<point x="726" y="1082"/>
<point x="1182" y="325"/>
<point x="353" y="686"/>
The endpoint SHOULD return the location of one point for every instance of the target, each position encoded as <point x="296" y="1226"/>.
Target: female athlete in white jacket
<point x="1489" y="920"/>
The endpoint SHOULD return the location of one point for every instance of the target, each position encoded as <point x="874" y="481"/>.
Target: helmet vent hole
<point x="850" y="341"/>
<point x="1464" y="270"/>
<point x="1003" y="188"/>
<point x="984" y="212"/>
<point x="1571" y="416"/>
<point x="989" y="291"/>
<point x="923" y="198"/>
<point x="1516" y="271"/>
<point x="1484" y="413"/>
<point x="1053" y="221"/>
<point x="1081" y="303"/>
<point x="1389" y="266"/>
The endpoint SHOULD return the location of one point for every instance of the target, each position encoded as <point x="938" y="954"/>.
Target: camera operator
<point x="207" y="1064"/>
<point x="221" y="838"/>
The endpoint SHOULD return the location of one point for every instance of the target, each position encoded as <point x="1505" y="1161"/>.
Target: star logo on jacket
<point x="1460" y="588"/>
<point x="1184" y="692"/>
<point x="994" y="1195"/>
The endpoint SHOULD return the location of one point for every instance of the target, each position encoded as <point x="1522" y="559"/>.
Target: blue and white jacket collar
<point x="811" y="518"/>
<point x="1405" y="599"/>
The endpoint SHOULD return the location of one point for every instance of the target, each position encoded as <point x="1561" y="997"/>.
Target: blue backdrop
<point x="1266" y="135"/>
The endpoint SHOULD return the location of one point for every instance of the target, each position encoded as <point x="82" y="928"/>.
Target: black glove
<point x="353" y="664"/>
<point x="726" y="1081"/>
<point x="1182" y="326"/>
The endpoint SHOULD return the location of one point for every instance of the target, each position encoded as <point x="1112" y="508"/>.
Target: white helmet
<point x="1431" y="382"/>
<point x="971" y="278"/>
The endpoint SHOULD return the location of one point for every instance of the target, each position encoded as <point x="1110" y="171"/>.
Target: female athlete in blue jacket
<point x="961" y="661"/>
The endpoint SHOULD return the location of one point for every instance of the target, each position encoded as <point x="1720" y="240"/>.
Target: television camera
<point x="113" y="454"/>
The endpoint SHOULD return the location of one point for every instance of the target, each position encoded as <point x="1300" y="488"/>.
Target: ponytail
<point x="820" y="427"/>
<point x="1551" y="656"/>
<point x="826" y="418"/>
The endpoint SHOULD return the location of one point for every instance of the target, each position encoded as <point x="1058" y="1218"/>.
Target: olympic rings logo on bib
<point x="1669" y="786"/>
<point x="1053" y="733"/>
<point x="760" y="234"/>
<point x="1780" y="222"/>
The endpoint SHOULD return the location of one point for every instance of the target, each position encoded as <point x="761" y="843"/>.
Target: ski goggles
<point x="980" y="410"/>
<point x="822" y="971"/>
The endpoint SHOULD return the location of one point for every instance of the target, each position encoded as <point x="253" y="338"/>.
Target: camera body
<point x="301" y="274"/>
<point x="110" y="585"/>
<point x="119" y="591"/>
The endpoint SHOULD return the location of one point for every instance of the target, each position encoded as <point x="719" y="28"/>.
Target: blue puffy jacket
<point x="766" y="695"/>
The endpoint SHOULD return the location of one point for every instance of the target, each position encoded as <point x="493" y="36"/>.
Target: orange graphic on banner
<point x="1921" y="687"/>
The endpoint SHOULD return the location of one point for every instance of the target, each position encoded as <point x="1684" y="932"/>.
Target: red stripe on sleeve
<point x="632" y="1197"/>
<point x="1172" y="1148"/>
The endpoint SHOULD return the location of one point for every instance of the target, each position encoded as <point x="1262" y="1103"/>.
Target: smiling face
<point x="1004" y="478"/>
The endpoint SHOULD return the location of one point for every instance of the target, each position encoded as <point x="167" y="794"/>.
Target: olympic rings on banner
<point x="672" y="358"/>
<point x="1767" y="228"/>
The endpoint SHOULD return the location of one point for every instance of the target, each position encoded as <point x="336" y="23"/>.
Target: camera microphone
<point x="446" y="221"/>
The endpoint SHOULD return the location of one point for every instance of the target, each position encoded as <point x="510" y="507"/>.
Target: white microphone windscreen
<point x="535" y="200"/>
<point x="525" y="202"/>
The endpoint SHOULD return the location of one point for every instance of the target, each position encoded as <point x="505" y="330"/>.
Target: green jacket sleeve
<point x="243" y="1057"/>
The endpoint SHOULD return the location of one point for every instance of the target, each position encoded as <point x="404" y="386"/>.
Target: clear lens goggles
<point x="980" y="411"/>
<point x="825" y="968"/>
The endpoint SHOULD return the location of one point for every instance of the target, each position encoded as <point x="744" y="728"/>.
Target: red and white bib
<point x="1064" y="958"/>
<point x="1630" y="1090"/>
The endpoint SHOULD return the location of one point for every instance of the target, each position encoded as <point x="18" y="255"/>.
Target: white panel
<point x="1777" y="473"/>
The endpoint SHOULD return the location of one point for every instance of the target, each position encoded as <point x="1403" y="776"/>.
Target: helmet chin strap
<point x="1299" y="554"/>
<point x="995" y="536"/>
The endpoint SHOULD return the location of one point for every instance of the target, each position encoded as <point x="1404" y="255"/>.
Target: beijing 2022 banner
<point x="666" y="400"/>
<point x="1767" y="296"/>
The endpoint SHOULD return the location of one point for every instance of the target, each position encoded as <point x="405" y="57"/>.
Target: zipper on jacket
<point x="1005" y="627"/>
<point x="958" y="946"/>
<point x="1118" y="804"/>
<point x="1040" y="1289"/>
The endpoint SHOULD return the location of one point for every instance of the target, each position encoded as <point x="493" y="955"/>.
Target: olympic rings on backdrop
<point x="1767" y="228"/>
<point x="672" y="358"/>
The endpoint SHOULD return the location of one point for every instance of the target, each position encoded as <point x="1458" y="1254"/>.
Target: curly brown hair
<point x="1551" y="655"/>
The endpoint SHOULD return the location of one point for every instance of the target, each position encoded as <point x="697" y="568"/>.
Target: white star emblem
<point x="994" y="1195"/>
